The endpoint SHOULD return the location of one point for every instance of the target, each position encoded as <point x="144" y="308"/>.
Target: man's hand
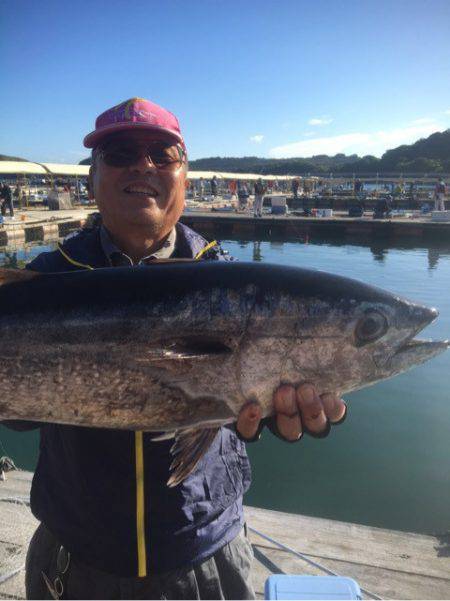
<point x="296" y="410"/>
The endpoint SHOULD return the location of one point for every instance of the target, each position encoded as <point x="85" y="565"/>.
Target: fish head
<point x="365" y="337"/>
<point x="389" y="330"/>
<point x="335" y="332"/>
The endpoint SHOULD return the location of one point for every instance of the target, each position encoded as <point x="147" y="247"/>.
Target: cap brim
<point x="159" y="133"/>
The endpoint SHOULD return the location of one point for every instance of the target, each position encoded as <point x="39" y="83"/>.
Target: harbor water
<point x="388" y="464"/>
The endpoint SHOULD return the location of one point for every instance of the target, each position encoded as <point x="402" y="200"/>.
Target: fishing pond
<point x="387" y="465"/>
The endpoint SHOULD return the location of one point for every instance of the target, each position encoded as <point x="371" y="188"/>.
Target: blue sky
<point x="265" y="78"/>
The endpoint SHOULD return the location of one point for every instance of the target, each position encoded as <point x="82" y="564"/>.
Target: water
<point x="388" y="464"/>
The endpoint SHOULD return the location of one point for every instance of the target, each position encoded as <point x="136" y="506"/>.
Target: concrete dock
<point x="33" y="225"/>
<point x="291" y="227"/>
<point x="43" y="225"/>
<point x="390" y="564"/>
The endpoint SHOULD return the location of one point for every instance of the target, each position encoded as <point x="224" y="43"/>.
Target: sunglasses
<point x="125" y="154"/>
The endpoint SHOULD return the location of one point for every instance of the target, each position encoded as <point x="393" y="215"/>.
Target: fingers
<point x="303" y="410"/>
<point x="289" y="424"/>
<point x="311" y="409"/>
<point x="334" y="407"/>
<point x="248" y="421"/>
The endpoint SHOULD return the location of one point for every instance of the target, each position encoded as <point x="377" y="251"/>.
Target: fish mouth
<point x="416" y="351"/>
<point x="413" y="351"/>
<point x="410" y="351"/>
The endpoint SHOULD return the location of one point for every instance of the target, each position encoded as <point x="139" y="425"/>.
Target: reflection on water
<point x="388" y="464"/>
<point x="17" y="258"/>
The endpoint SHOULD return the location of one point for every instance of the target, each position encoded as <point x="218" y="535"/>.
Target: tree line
<point x="428" y="155"/>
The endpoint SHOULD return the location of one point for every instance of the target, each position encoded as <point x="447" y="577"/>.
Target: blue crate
<point x="281" y="586"/>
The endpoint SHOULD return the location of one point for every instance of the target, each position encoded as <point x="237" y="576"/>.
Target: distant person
<point x="18" y="195"/>
<point x="7" y="201"/>
<point x="260" y="190"/>
<point x="214" y="186"/>
<point x="232" y="187"/>
<point x="439" y="195"/>
<point x="201" y="188"/>
<point x="358" y="187"/>
<point x="243" y="195"/>
<point x="295" y="187"/>
<point x="383" y="207"/>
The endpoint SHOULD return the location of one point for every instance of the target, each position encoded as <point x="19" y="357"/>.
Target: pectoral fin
<point x="188" y="449"/>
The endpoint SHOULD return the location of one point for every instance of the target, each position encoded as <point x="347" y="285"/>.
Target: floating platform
<point x="387" y="563"/>
<point x="289" y="227"/>
<point x="43" y="225"/>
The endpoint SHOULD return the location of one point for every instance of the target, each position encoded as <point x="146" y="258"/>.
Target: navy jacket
<point x="85" y="484"/>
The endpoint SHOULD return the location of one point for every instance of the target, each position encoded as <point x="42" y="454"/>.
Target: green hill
<point x="429" y="155"/>
<point x="5" y="157"/>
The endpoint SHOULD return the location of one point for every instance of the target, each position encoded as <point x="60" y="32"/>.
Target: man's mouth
<point x="141" y="189"/>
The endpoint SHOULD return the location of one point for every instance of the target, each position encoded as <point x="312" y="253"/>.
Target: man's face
<point x="139" y="195"/>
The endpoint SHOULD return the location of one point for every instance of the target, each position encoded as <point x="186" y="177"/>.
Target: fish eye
<point x="371" y="326"/>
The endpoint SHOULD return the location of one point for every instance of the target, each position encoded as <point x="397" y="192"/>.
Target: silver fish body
<point x="182" y="347"/>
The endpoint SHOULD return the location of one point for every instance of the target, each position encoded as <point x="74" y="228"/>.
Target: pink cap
<point x="136" y="114"/>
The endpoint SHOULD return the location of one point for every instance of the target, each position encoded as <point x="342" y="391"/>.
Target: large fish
<point x="181" y="347"/>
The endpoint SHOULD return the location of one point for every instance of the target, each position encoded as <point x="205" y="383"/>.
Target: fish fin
<point x="197" y="346"/>
<point x="11" y="276"/>
<point x="188" y="448"/>
<point x="164" y="436"/>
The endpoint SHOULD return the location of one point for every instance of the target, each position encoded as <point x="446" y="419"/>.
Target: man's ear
<point x="187" y="183"/>
<point x="91" y="183"/>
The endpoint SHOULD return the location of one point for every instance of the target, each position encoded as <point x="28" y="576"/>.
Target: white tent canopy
<point x="236" y="176"/>
<point x="21" y="167"/>
<point x="72" y="170"/>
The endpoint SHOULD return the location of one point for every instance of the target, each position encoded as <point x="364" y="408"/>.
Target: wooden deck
<point x="391" y="564"/>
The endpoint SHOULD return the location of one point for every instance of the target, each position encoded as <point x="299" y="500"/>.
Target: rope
<point x="310" y="561"/>
<point x="205" y="249"/>
<point x="72" y="261"/>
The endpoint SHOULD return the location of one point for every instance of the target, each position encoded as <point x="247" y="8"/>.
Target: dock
<point x="386" y="564"/>
<point x="291" y="227"/>
<point x="41" y="225"/>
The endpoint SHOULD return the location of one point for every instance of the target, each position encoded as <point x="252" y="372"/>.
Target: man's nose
<point x="144" y="164"/>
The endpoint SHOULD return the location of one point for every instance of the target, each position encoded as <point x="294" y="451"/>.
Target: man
<point x="7" y="201"/>
<point x="110" y="527"/>
<point x="18" y="194"/>
<point x="243" y="195"/>
<point x="214" y="187"/>
<point x="295" y="187"/>
<point x="439" y="195"/>
<point x="260" y="190"/>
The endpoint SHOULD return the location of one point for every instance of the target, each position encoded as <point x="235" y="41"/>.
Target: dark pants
<point x="225" y="575"/>
<point x="8" y="203"/>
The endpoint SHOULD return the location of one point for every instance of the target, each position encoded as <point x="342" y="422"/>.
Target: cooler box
<point x="281" y="586"/>
<point x="279" y="206"/>
<point x="440" y="216"/>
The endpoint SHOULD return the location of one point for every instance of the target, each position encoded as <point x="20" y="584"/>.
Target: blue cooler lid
<point x="281" y="586"/>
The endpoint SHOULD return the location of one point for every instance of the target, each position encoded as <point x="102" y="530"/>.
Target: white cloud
<point x="356" y="143"/>
<point x="423" y="121"/>
<point x="320" y="121"/>
<point x="79" y="153"/>
<point x="447" y="112"/>
<point x="257" y="139"/>
<point x="308" y="134"/>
